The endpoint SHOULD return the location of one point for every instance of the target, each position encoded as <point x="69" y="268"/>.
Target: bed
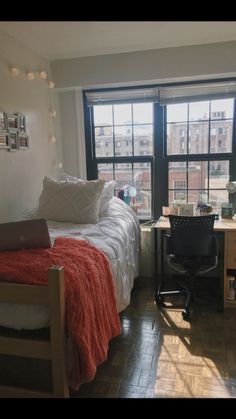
<point x="117" y="235"/>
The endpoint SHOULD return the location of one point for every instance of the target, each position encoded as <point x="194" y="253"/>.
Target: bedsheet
<point x="117" y="235"/>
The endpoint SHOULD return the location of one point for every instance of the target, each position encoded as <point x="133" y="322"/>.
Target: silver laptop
<point x="27" y="234"/>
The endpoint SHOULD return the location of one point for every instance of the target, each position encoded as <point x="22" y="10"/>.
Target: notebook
<point x="24" y="235"/>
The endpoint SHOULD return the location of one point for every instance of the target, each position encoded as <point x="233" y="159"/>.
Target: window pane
<point x="222" y="108"/>
<point x="216" y="198"/>
<point x="123" y="174"/>
<point x="143" y="201"/>
<point x="122" y="114"/>
<point x="143" y="113"/>
<point x="197" y="175"/>
<point x="123" y="140"/>
<point x="177" y="113"/>
<point x="218" y="174"/>
<point x="177" y="138"/>
<point x="102" y="115"/>
<point x="142" y="176"/>
<point x="180" y="184"/>
<point x="199" y="111"/>
<point x="177" y="196"/>
<point x="221" y="136"/>
<point x="196" y="196"/>
<point x="177" y="172"/>
<point x="143" y="140"/>
<point x="105" y="171"/>
<point x="198" y="137"/>
<point x="142" y="182"/>
<point x="104" y="142"/>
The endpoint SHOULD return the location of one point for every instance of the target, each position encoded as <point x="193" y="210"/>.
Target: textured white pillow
<point x="69" y="201"/>
<point x="107" y="193"/>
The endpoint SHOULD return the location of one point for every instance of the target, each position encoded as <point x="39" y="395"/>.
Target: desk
<point x="227" y="230"/>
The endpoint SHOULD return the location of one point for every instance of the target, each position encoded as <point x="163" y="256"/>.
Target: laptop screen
<point x="27" y="234"/>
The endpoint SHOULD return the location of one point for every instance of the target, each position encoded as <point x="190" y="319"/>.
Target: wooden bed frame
<point x="53" y="350"/>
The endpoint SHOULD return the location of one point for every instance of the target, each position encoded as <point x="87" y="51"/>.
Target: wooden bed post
<point x="57" y="331"/>
<point x="55" y="351"/>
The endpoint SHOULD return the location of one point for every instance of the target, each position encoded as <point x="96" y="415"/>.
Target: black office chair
<point x="191" y="249"/>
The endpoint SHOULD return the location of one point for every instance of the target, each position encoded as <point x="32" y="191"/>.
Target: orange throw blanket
<point x="92" y="318"/>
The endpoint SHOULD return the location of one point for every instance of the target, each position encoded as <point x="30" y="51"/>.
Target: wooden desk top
<point x="219" y="225"/>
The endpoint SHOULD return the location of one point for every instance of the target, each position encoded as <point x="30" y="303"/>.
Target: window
<point x="128" y="133"/>
<point x="204" y="179"/>
<point x="177" y="145"/>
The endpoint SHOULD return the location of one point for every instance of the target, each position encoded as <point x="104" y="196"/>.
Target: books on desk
<point x="186" y="210"/>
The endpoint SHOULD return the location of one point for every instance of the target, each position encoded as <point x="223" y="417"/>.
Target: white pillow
<point x="107" y="193"/>
<point x="70" y="178"/>
<point x="69" y="201"/>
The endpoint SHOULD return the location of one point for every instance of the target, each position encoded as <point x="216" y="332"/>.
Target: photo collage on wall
<point x="13" y="135"/>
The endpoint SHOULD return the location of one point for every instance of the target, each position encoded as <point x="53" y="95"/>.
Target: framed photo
<point x="23" y="141"/>
<point x="12" y="121"/>
<point x="3" y="140"/>
<point x="21" y="123"/>
<point x="13" y="140"/>
<point x="186" y="210"/>
<point x="3" y="121"/>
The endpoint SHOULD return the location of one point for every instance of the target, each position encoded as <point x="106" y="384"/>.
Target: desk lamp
<point x="231" y="186"/>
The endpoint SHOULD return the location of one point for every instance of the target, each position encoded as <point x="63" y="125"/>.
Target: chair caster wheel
<point x="186" y="315"/>
<point x="159" y="301"/>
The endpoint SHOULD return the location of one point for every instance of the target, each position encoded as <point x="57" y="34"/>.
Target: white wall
<point x="21" y="172"/>
<point x="167" y="64"/>
<point x="133" y="68"/>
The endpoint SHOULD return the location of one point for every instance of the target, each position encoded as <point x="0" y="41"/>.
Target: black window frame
<point x="203" y="157"/>
<point x="92" y="161"/>
<point x="159" y="160"/>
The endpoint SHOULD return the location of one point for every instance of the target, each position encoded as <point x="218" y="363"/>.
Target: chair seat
<point x="192" y="264"/>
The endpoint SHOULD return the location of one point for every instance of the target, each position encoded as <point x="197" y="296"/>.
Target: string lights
<point x="43" y="75"/>
<point x="30" y="75"/>
<point x="51" y="84"/>
<point x="52" y="112"/>
<point x="14" y="71"/>
<point x="52" y="139"/>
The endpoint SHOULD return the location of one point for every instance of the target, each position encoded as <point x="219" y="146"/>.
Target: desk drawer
<point x="231" y="241"/>
<point x="231" y="260"/>
<point x="231" y="250"/>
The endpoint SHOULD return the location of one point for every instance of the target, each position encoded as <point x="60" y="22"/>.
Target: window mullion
<point x="113" y="131"/>
<point x="187" y="163"/>
<point x="209" y="130"/>
<point x="132" y="120"/>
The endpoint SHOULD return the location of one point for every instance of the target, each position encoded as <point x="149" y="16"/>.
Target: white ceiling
<point x="57" y="40"/>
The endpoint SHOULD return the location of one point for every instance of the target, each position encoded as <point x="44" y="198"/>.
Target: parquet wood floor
<point x="159" y="355"/>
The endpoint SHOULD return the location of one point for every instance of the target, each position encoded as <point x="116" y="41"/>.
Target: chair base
<point x="160" y="302"/>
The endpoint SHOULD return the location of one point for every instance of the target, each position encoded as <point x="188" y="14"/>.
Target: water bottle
<point x="126" y="196"/>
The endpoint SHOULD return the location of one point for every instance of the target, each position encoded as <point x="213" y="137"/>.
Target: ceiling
<point x="58" y="40"/>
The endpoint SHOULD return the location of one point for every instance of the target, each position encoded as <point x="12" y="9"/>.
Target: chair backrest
<point x="191" y="236"/>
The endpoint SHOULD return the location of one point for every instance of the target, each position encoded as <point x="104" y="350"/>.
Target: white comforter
<point x="117" y="235"/>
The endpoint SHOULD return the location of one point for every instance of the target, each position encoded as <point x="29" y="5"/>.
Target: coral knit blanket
<point x="91" y="315"/>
